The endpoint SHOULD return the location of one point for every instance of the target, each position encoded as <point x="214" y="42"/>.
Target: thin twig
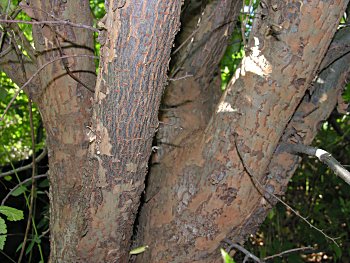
<point x="293" y="250"/>
<point x="260" y="187"/>
<point x="190" y="36"/>
<point x="26" y="167"/>
<point x="36" y="73"/>
<point x="65" y="63"/>
<point x="31" y="124"/>
<point x="19" y="184"/>
<point x="48" y="22"/>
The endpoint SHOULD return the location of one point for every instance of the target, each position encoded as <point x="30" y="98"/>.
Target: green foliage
<point x="233" y="56"/>
<point x="12" y="214"/>
<point x="15" y="129"/>
<point x="226" y="257"/>
<point x="3" y="232"/>
<point x="235" y="50"/>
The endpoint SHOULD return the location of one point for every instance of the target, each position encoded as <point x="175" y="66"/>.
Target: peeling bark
<point x="65" y="106"/>
<point x="199" y="192"/>
<point x="132" y="76"/>
<point x="188" y="103"/>
<point x="205" y="190"/>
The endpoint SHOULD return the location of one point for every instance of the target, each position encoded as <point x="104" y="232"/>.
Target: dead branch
<point x="243" y="250"/>
<point x="48" y="22"/>
<point x="23" y="168"/>
<point x="293" y="250"/>
<point x="20" y="184"/>
<point x="267" y="193"/>
<point x="322" y="155"/>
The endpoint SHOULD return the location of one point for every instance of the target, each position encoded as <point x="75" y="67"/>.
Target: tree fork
<point x="204" y="189"/>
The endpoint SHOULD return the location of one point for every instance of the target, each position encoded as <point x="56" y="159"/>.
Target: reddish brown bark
<point x="200" y="191"/>
<point x="65" y="106"/>
<point x="205" y="194"/>
<point x="133" y="67"/>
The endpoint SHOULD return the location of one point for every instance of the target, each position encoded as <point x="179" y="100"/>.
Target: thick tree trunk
<point x="133" y="67"/>
<point x="205" y="192"/>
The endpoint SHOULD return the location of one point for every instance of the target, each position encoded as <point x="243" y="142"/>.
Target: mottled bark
<point x="200" y="192"/>
<point x="188" y="102"/>
<point x="65" y="106"/>
<point x="133" y="67"/>
<point x="205" y="193"/>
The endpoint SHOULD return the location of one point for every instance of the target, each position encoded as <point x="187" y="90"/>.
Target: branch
<point x="23" y="168"/>
<point x="322" y="155"/>
<point x="19" y="184"/>
<point x="31" y="205"/>
<point x="36" y="73"/>
<point x="243" y="250"/>
<point x="57" y="22"/>
<point x="288" y="252"/>
<point x="266" y="192"/>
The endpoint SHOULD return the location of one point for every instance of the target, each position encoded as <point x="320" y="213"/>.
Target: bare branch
<point x="31" y="205"/>
<point x="267" y="193"/>
<point x="19" y="184"/>
<point x="36" y="73"/>
<point x="50" y="22"/>
<point x="293" y="250"/>
<point x="243" y="250"/>
<point x="23" y="168"/>
<point x="323" y="156"/>
<point x="182" y="77"/>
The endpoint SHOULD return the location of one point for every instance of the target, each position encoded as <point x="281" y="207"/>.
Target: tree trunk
<point x="133" y="67"/>
<point x="210" y="187"/>
<point x="218" y="160"/>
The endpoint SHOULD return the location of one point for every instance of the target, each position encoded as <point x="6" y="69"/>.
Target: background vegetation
<point x="314" y="190"/>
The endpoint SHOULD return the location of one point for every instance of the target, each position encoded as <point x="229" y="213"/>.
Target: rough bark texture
<point x="133" y="67"/>
<point x="65" y="106"/>
<point x="205" y="193"/>
<point x="199" y="190"/>
<point x="188" y="103"/>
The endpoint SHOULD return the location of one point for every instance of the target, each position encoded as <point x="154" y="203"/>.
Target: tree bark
<point x="203" y="183"/>
<point x="206" y="193"/>
<point x="65" y="106"/>
<point x="133" y="67"/>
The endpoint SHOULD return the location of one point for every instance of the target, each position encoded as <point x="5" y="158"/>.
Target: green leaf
<point x="138" y="250"/>
<point x="3" y="232"/>
<point x="11" y="213"/>
<point x="3" y="228"/>
<point x="8" y="178"/>
<point x="19" y="190"/>
<point x="226" y="257"/>
<point x="44" y="183"/>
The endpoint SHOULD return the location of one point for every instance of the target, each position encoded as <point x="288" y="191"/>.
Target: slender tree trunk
<point x="65" y="106"/>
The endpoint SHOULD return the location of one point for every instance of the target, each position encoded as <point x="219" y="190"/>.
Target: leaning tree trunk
<point x="215" y="186"/>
